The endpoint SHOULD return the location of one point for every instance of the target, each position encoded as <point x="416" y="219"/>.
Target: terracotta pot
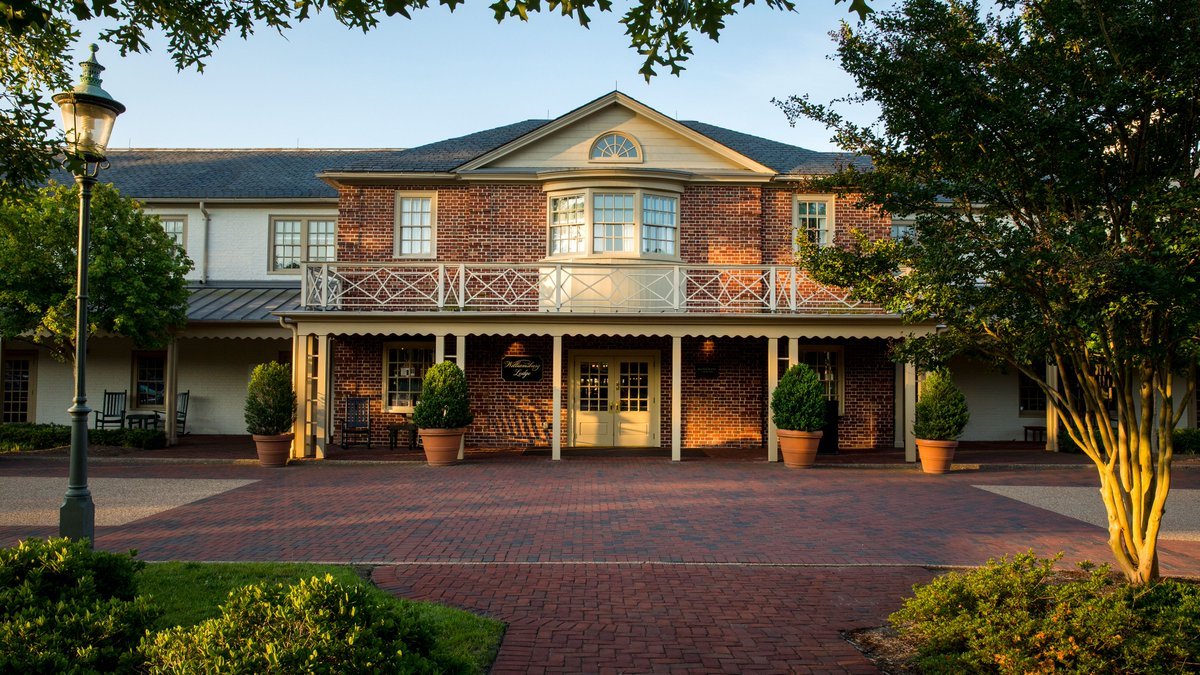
<point x="936" y="456"/>
<point x="799" y="448"/>
<point x="441" y="445"/>
<point x="273" y="450"/>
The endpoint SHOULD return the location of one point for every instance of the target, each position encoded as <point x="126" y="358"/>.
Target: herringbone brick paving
<point x="631" y="565"/>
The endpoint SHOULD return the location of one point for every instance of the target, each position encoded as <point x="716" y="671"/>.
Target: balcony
<point x="597" y="288"/>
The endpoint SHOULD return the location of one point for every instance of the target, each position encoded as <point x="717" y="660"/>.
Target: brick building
<point x="611" y="277"/>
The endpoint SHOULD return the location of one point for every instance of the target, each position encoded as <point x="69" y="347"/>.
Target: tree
<point x="36" y="37"/>
<point x="1048" y="153"/>
<point x="136" y="274"/>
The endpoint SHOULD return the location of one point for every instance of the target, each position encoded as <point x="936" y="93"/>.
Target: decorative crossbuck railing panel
<point x="569" y="287"/>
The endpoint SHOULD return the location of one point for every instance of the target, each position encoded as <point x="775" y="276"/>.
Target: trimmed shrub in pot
<point x="941" y="415"/>
<point x="271" y="412"/>
<point x="798" y="411"/>
<point x="443" y="412"/>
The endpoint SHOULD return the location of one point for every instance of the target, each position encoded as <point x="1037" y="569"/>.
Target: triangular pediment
<point x="663" y="143"/>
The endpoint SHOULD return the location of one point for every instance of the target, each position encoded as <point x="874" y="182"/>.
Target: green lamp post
<point x="88" y="113"/>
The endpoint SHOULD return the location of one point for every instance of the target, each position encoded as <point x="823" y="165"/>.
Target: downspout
<point x="204" y="244"/>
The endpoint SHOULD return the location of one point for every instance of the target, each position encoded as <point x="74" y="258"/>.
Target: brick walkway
<point x="634" y="565"/>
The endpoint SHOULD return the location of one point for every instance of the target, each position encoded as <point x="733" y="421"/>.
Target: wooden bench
<point x="1035" y="434"/>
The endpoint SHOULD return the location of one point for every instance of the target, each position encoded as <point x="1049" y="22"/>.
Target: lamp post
<point x="88" y="113"/>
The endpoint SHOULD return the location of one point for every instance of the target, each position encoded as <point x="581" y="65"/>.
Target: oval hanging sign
<point x="521" y="368"/>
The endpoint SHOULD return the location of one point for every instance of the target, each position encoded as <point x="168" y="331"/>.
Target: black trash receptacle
<point x="829" y="440"/>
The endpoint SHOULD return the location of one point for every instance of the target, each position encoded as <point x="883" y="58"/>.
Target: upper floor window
<point x="620" y="223"/>
<point x="615" y="147"/>
<point x="812" y="220"/>
<point x="416" y="225"/>
<point x="176" y="229"/>
<point x="296" y="240"/>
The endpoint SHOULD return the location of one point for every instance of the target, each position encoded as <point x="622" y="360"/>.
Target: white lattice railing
<point x="569" y="287"/>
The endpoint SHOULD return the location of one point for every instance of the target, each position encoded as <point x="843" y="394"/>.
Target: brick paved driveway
<point x="630" y="566"/>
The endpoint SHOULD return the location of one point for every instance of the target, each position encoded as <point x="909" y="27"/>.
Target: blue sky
<point x="441" y="75"/>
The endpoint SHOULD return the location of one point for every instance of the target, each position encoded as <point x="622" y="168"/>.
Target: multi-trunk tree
<point x="1047" y="153"/>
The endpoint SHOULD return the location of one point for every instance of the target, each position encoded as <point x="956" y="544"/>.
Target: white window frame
<point x="840" y="374"/>
<point x="304" y="243"/>
<point x="139" y="355"/>
<point x="162" y="219"/>
<point x="401" y="344"/>
<point x="616" y="160"/>
<point x="588" y="246"/>
<point x="830" y="224"/>
<point x="432" y="196"/>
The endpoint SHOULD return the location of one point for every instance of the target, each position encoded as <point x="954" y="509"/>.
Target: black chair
<point x="358" y="420"/>
<point x="181" y="406"/>
<point x="112" y="413"/>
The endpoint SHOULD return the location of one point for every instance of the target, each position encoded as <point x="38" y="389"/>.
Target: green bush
<point x="1186" y="441"/>
<point x="315" y="626"/>
<point x="143" y="439"/>
<point x="1013" y="616"/>
<point x="798" y="403"/>
<point x="26" y="437"/>
<point x="66" y="608"/>
<point x="444" y="402"/>
<point x="941" y="411"/>
<point x="270" y="400"/>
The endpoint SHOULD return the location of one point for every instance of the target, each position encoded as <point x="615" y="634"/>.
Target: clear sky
<point x="445" y="74"/>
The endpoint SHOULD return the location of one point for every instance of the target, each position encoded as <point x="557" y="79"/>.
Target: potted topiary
<point x="442" y="413"/>
<point x="941" y="415"/>
<point x="798" y="410"/>
<point x="271" y="412"/>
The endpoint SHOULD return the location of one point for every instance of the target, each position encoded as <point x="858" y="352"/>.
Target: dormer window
<point x="615" y="147"/>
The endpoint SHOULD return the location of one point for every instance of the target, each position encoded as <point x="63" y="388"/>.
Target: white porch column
<point x="910" y="411"/>
<point x="318" y="365"/>
<point x="172" y="386"/>
<point x="300" y="438"/>
<point x="676" y="398"/>
<point x="1051" y="416"/>
<point x="556" y="410"/>
<point x="898" y="432"/>
<point x="793" y="351"/>
<point x="439" y="348"/>
<point x="772" y="383"/>
<point x="460" y="355"/>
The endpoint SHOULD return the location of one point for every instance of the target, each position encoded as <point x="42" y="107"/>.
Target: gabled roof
<point x="149" y="174"/>
<point x="444" y="155"/>
<point x="783" y="158"/>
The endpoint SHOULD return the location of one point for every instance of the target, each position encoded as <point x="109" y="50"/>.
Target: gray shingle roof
<point x="225" y="174"/>
<point x="444" y="155"/>
<point x="784" y="158"/>
<point x="229" y="303"/>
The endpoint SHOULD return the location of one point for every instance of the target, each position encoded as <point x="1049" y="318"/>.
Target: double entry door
<point x="614" y="399"/>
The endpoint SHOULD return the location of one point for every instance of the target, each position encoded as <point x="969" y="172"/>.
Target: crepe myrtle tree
<point x="1047" y="153"/>
<point x="135" y="273"/>
<point x="36" y="38"/>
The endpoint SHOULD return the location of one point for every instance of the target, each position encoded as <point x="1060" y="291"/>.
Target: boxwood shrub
<point x="1015" y="616"/>
<point x="65" y="608"/>
<point x="315" y="626"/>
<point x="26" y="437"/>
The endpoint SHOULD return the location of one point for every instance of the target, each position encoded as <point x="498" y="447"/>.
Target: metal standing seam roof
<point x="241" y="304"/>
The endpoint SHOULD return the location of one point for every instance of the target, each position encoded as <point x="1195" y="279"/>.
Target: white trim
<point x="830" y="202"/>
<point x="304" y="233"/>
<point x="162" y="217"/>
<point x="589" y="253"/>
<point x="654" y="357"/>
<point x="432" y="196"/>
<point x="637" y="147"/>
<point x="400" y="344"/>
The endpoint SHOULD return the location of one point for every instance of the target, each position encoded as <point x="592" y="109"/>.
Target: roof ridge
<point x="257" y="149"/>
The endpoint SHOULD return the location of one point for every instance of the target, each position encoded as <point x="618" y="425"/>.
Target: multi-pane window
<point x="659" y="224"/>
<point x="1030" y="397"/>
<point x="416" y="216"/>
<point x="174" y="227"/>
<point x="149" y="379"/>
<point x="593" y="386"/>
<point x="567" y="220"/>
<point x="614" y="147"/>
<point x="825" y="365"/>
<point x="621" y="223"/>
<point x="812" y="222"/>
<point x="17" y="383"/>
<point x="299" y="240"/>
<point x="404" y="366"/>
<point x="612" y="222"/>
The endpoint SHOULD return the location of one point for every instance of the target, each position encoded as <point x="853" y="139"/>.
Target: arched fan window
<point x="615" y="147"/>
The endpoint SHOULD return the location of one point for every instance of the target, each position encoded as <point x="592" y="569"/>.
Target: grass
<point x="190" y="592"/>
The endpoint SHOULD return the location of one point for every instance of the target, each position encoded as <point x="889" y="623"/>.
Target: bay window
<point x="622" y="223"/>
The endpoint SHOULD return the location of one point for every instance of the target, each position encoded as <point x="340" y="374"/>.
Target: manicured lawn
<point x="191" y="592"/>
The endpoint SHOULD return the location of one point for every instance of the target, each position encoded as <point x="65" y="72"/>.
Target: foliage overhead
<point x="798" y="402"/>
<point x="941" y="412"/>
<point x="136" y="285"/>
<point x="270" y="400"/>
<point x="36" y="37"/>
<point x="444" y="402"/>
<point x="1047" y="153"/>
